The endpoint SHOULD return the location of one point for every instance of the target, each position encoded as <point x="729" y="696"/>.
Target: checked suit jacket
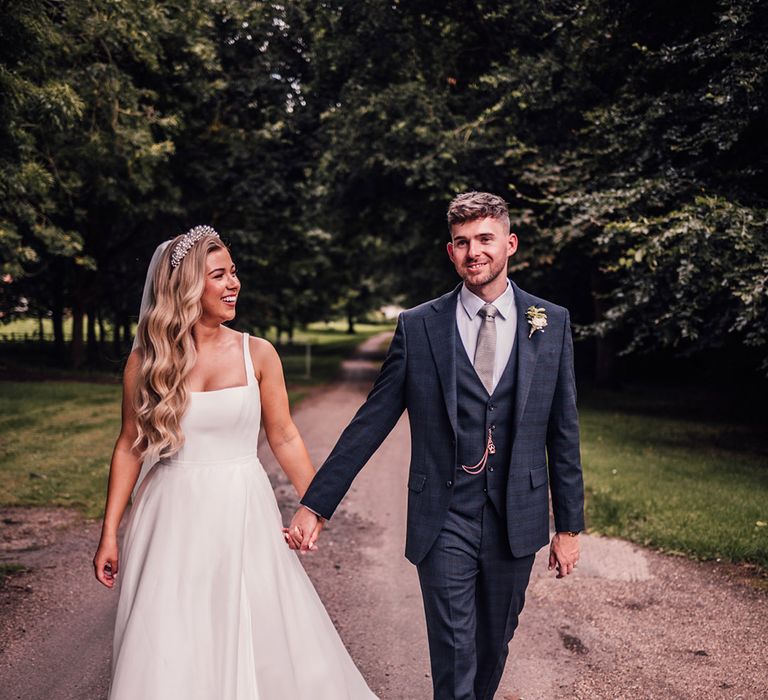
<point x="419" y="375"/>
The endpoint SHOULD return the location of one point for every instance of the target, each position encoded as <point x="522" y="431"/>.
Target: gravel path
<point x="629" y="623"/>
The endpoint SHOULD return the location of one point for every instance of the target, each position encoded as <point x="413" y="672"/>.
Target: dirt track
<point x="628" y="624"/>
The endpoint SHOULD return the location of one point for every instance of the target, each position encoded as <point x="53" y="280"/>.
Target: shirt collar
<point x="473" y="303"/>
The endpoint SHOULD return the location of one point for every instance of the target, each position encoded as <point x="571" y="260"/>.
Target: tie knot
<point x="488" y="311"/>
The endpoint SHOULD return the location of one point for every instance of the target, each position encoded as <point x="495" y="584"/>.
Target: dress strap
<point x="248" y="361"/>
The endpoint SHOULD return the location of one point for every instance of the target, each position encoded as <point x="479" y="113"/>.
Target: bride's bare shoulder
<point x="261" y="347"/>
<point x="263" y="355"/>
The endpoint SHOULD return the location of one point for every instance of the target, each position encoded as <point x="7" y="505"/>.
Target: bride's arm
<point x="123" y="472"/>
<point x="282" y="434"/>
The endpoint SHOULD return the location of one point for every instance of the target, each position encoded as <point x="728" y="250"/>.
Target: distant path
<point x="628" y="624"/>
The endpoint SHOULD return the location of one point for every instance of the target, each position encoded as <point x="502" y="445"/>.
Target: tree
<point x="30" y="95"/>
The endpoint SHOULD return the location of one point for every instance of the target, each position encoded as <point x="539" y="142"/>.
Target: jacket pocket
<point x="416" y="481"/>
<point x="538" y="477"/>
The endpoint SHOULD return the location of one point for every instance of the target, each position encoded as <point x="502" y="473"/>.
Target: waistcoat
<point x="478" y="412"/>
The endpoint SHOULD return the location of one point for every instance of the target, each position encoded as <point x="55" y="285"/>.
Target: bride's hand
<point x="105" y="561"/>
<point x="304" y="530"/>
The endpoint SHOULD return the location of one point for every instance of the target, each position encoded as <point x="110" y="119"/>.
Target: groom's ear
<point x="512" y="244"/>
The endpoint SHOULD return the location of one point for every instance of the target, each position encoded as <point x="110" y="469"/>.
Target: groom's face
<point x="480" y="249"/>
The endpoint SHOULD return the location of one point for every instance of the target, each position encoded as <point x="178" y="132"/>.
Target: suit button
<point x="491" y="407"/>
<point x="449" y="483"/>
<point x="490" y="469"/>
<point x="493" y="427"/>
<point x="485" y="490"/>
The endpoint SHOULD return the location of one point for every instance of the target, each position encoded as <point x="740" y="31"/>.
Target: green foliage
<point x="325" y="140"/>
<point x="690" y="277"/>
<point x="592" y="119"/>
<point x="660" y="193"/>
<point x="28" y="95"/>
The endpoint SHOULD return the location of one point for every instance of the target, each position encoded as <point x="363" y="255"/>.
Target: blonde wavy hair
<point x="167" y="349"/>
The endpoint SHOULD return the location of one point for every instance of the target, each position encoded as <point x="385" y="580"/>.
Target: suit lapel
<point x="526" y="354"/>
<point x="441" y="333"/>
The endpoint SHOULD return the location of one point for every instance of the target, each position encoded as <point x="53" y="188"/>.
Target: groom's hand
<point x="564" y="553"/>
<point x="304" y="530"/>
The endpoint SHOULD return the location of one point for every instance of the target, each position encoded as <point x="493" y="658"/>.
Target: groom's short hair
<point x="470" y="206"/>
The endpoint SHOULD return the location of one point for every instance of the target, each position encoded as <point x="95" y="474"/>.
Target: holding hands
<point x="303" y="531"/>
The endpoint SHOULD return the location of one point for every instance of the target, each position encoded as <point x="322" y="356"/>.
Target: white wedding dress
<point x="213" y="605"/>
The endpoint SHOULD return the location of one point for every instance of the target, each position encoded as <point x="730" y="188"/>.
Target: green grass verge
<point x="56" y="439"/>
<point x="8" y="571"/>
<point x="11" y="569"/>
<point x="684" y="485"/>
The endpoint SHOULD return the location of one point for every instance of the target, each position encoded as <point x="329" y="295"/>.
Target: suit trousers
<point x="473" y="591"/>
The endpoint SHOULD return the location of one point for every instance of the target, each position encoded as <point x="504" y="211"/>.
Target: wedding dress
<point x="213" y="605"/>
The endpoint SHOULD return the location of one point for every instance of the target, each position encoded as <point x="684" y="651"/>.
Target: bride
<point x="213" y="605"/>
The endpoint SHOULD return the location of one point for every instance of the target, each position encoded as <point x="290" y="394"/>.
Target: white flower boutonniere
<point x="537" y="318"/>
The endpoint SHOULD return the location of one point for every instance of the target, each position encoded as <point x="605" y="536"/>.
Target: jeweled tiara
<point x="190" y="238"/>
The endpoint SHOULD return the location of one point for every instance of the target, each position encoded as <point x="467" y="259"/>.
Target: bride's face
<point x="221" y="286"/>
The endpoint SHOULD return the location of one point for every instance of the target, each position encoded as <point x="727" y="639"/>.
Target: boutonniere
<point x="537" y="318"/>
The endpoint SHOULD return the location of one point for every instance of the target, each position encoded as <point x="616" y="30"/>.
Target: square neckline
<point x="248" y="366"/>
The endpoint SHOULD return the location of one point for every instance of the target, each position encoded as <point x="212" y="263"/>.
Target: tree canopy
<point x="325" y="139"/>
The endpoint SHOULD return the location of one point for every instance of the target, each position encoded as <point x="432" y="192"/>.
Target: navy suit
<point x="420" y="374"/>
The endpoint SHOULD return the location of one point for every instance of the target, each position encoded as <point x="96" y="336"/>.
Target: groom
<point x="486" y="374"/>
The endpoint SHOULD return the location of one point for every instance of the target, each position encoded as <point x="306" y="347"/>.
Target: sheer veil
<point x="147" y="298"/>
<point x="148" y="295"/>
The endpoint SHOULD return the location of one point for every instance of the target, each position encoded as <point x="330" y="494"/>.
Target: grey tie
<point x="485" y="352"/>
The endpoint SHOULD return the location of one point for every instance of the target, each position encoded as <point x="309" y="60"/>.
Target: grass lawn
<point x="694" y="485"/>
<point x="56" y="439"/>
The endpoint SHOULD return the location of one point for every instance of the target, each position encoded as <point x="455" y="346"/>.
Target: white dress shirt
<point x="469" y="321"/>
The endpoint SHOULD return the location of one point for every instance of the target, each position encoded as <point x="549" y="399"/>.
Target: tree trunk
<point x="77" y="355"/>
<point x="116" y="343"/>
<point x="40" y="328"/>
<point x="57" y="316"/>
<point x="605" y="350"/>
<point x="350" y="321"/>
<point x="127" y="333"/>
<point x="102" y="330"/>
<point x="605" y="363"/>
<point x="93" y="346"/>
